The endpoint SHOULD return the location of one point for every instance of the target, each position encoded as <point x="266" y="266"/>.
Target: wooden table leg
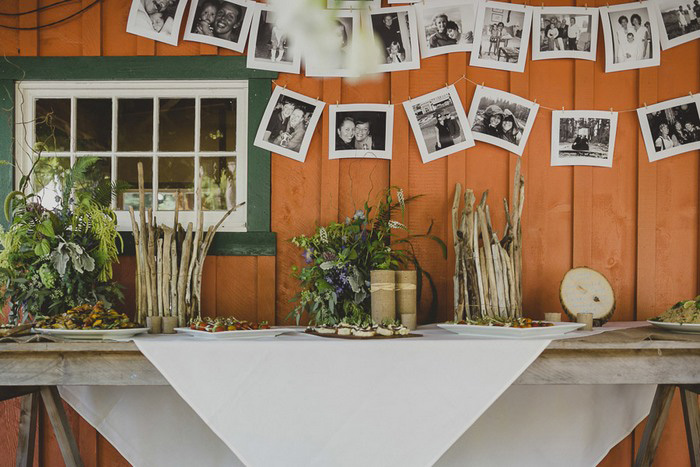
<point x="655" y="425"/>
<point x="61" y="428"/>
<point x="691" y="415"/>
<point x="27" y="430"/>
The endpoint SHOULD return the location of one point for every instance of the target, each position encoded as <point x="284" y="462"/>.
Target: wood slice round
<point x="584" y="290"/>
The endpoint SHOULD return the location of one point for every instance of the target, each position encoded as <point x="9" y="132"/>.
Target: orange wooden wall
<point x="637" y="222"/>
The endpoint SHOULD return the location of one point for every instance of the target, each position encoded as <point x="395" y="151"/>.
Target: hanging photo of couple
<point x="679" y="21"/>
<point x="564" y="32"/>
<point x="360" y="130"/>
<point x="439" y="123"/>
<point x="502" y="34"/>
<point x="670" y="127"/>
<point x="288" y="124"/>
<point x="631" y="36"/>
<point x="583" y="137"/>
<point x="156" y="19"/>
<point x="222" y="23"/>
<point x="502" y="119"/>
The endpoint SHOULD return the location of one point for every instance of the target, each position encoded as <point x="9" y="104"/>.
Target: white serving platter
<point x="247" y="334"/>
<point x="503" y="332"/>
<point x="683" y="328"/>
<point x="91" y="334"/>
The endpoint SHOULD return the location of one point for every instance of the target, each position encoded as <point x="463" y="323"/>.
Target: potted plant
<point x="55" y="258"/>
<point x="335" y="283"/>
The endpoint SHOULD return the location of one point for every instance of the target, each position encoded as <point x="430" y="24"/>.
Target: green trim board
<point x="258" y="240"/>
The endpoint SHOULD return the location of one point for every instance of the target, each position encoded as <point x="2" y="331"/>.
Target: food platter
<point x="241" y="334"/>
<point x="359" y="338"/>
<point x="91" y="334"/>
<point x="683" y="328"/>
<point x="507" y="332"/>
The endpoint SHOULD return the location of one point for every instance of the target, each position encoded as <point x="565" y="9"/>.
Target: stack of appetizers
<point x="360" y="330"/>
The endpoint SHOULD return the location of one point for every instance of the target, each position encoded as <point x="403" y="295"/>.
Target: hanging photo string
<point x="464" y="78"/>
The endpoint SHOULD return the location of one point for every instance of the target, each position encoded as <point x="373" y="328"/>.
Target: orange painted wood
<point x="266" y="289"/>
<point x="236" y="288"/>
<point x="28" y="40"/>
<point x="91" y="26"/>
<point x="330" y="169"/>
<point x="209" y="286"/>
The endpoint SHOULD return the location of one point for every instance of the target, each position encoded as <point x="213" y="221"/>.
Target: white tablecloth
<point x="303" y="400"/>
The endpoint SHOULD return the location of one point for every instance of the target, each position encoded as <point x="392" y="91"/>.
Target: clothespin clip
<point x="611" y="110"/>
<point x="447" y="85"/>
<point x="645" y="105"/>
<point x="285" y="86"/>
<point x="482" y="84"/>
<point x="585" y="5"/>
<point x="389" y="102"/>
<point x="337" y="102"/>
<point x="543" y="5"/>
<point x="690" y="93"/>
<point x="562" y="108"/>
<point x="535" y="100"/>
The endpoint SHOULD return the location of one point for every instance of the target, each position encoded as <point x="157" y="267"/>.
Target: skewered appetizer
<point x="225" y="324"/>
<point x="88" y="317"/>
<point x="506" y="322"/>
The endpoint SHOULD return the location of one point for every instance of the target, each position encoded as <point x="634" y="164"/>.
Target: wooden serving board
<point x="358" y="338"/>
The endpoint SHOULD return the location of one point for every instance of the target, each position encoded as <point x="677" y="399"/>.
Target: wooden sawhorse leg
<point x="28" y="421"/>
<point x="657" y="420"/>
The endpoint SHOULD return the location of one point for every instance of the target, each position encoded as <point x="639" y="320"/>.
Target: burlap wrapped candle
<point x="383" y="289"/>
<point x="406" y="297"/>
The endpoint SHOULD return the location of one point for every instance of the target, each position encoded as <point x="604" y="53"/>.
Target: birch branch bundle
<point x="170" y="261"/>
<point x="488" y="271"/>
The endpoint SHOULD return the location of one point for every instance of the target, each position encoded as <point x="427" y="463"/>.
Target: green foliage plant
<point x="335" y="282"/>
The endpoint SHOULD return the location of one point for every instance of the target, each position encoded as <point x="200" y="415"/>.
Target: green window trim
<point x="258" y="240"/>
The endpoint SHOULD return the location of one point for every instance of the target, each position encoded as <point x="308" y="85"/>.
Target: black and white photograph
<point x="671" y="127"/>
<point x="353" y="4"/>
<point x="289" y="123"/>
<point x="564" y="32"/>
<point x="439" y="123"/>
<point x="631" y="36"/>
<point x="502" y="35"/>
<point x="679" y="21"/>
<point x="156" y="19"/>
<point x="502" y="119"/>
<point x="270" y="47"/>
<point x="446" y="26"/>
<point x="360" y="131"/>
<point x="222" y="23"/>
<point x="583" y="137"/>
<point x="333" y="56"/>
<point x="396" y="31"/>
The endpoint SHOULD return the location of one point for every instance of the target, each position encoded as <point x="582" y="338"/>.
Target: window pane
<point x="218" y="125"/>
<point x="175" y="173"/>
<point x="218" y="183"/>
<point x="127" y="171"/>
<point x="135" y="125"/>
<point x="176" y="127"/>
<point x="52" y="127"/>
<point x="48" y="179"/>
<point x="94" y="124"/>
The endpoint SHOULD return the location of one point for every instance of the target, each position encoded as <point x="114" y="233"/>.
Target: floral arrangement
<point x="55" y="259"/>
<point x="335" y="283"/>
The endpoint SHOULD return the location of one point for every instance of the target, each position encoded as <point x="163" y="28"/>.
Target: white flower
<point x="323" y="234"/>
<point x="402" y="200"/>
<point x="396" y="225"/>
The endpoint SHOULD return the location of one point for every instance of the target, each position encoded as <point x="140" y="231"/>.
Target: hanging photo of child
<point x="270" y="47"/>
<point x="564" y="32"/>
<point x="631" y="36"/>
<point x="583" y="137"/>
<point x="223" y="23"/>
<point x="156" y="19"/>
<point x="439" y="123"/>
<point x="446" y="26"/>
<point x="502" y="35"/>
<point x="502" y="119"/>
<point x="395" y="29"/>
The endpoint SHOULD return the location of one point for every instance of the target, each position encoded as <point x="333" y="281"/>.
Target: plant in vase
<point x="58" y="253"/>
<point x="335" y="283"/>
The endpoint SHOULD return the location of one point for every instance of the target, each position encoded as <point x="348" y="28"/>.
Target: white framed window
<point x="176" y="128"/>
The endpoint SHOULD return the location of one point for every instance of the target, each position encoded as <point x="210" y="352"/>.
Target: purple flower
<point x="307" y="255"/>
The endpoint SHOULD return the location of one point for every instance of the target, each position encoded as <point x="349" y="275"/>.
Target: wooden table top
<point x="569" y="361"/>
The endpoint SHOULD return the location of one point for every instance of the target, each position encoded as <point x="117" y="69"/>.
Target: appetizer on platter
<point x="684" y="312"/>
<point x="506" y="322"/>
<point x="225" y="324"/>
<point x="364" y="329"/>
<point x="88" y="317"/>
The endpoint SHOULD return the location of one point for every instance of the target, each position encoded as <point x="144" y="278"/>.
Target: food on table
<point x="325" y="329"/>
<point x="385" y="330"/>
<point x="361" y="329"/>
<point x="507" y="322"/>
<point x="88" y="317"/>
<point x="225" y="324"/>
<point x="366" y="331"/>
<point x="685" y="312"/>
<point x="344" y="329"/>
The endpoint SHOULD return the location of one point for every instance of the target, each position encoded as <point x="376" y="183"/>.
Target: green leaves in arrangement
<point x="335" y="283"/>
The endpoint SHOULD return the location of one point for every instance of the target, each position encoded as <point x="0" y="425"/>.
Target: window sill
<point x="227" y="244"/>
